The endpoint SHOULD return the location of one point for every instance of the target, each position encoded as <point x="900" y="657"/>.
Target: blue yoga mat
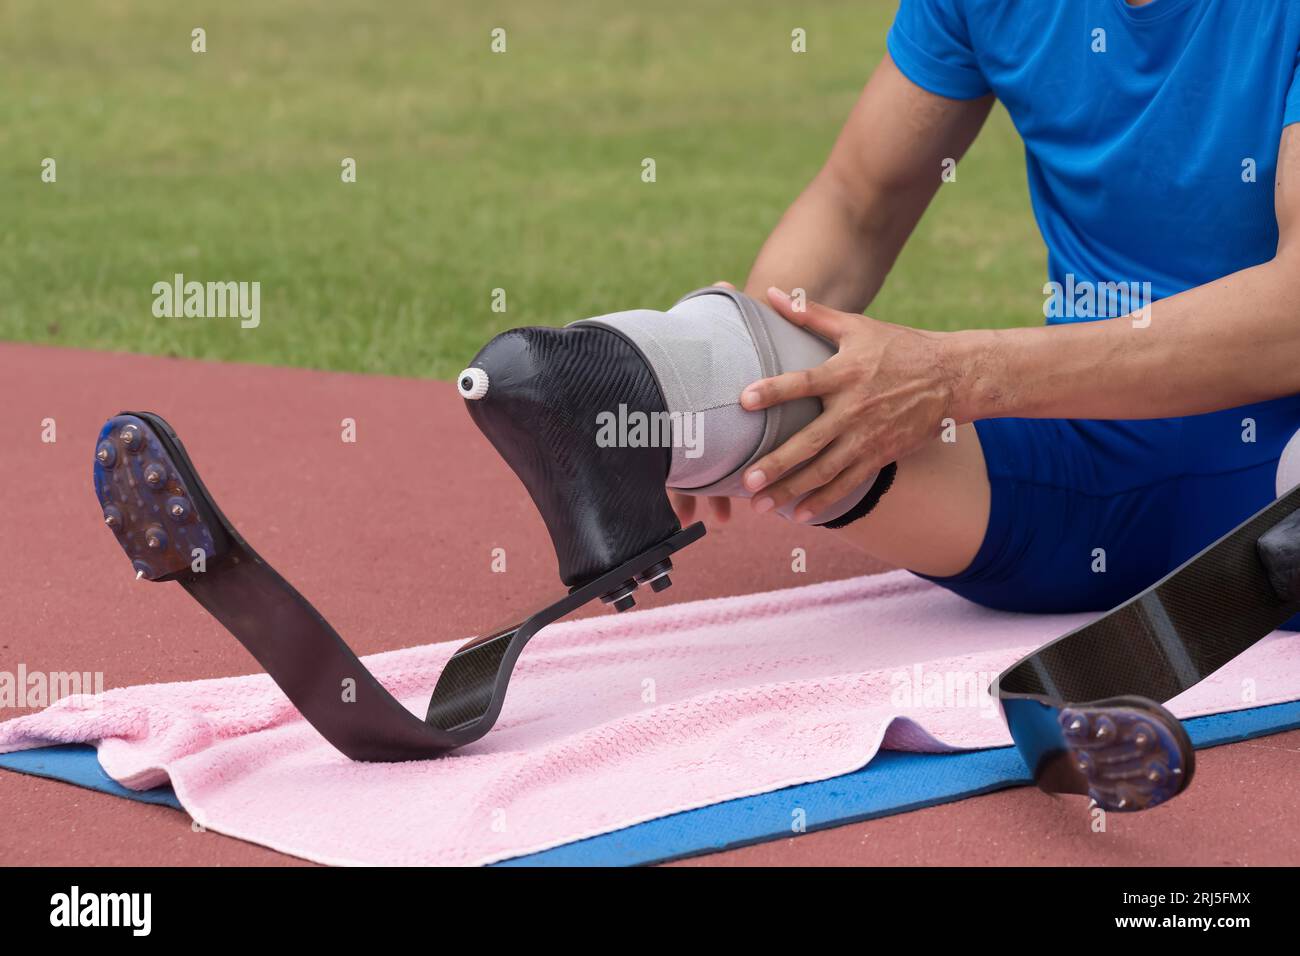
<point x="78" y="763"/>
<point x="892" y="783"/>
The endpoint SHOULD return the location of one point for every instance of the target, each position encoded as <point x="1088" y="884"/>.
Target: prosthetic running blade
<point x="162" y="515"/>
<point x="1085" y="710"/>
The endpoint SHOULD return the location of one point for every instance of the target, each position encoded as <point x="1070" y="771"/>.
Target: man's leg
<point x="934" y="516"/>
<point x="1079" y="515"/>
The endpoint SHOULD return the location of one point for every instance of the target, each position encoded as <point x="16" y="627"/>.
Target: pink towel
<point x="610" y="721"/>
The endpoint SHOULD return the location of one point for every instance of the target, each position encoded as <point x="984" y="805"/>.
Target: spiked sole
<point x="1131" y="753"/>
<point x="148" y="498"/>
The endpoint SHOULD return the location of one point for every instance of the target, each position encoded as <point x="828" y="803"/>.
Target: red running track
<point x="418" y="569"/>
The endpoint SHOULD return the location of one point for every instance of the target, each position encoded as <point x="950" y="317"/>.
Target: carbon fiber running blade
<point x="165" y="520"/>
<point x="170" y="527"/>
<point x="1145" y="652"/>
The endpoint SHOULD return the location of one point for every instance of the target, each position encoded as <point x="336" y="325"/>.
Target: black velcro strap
<point x="884" y="481"/>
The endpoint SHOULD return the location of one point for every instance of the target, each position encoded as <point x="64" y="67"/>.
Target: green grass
<point x="475" y="170"/>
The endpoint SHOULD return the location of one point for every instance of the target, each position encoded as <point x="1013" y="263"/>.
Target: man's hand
<point x="884" y="393"/>
<point x="684" y="506"/>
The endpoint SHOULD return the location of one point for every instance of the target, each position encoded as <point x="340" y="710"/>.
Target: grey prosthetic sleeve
<point x="701" y="356"/>
<point x="703" y="352"/>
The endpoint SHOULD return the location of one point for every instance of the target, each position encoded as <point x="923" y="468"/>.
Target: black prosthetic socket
<point x="546" y="387"/>
<point x="884" y="481"/>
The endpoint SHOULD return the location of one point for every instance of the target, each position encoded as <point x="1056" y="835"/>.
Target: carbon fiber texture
<point x="467" y="683"/>
<point x="601" y="505"/>
<point x="1280" y="549"/>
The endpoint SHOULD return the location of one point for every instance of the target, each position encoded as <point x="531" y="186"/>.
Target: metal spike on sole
<point x="1130" y="759"/>
<point x="158" y="532"/>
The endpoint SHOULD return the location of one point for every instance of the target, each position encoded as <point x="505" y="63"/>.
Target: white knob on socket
<point x="472" y="384"/>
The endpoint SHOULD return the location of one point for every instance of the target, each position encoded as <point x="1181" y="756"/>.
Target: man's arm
<point x="884" y="393"/>
<point x="1230" y="342"/>
<point x="841" y="236"/>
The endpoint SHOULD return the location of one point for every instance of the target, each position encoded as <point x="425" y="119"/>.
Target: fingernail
<point x="749" y="397"/>
<point x="802" y="515"/>
<point x="763" y="505"/>
<point x="755" y="480"/>
<point x="776" y="293"/>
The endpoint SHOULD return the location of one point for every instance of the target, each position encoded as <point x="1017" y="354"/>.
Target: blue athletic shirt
<point x="1140" y="124"/>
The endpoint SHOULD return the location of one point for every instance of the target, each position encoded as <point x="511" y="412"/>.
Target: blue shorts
<point x="1085" y="514"/>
